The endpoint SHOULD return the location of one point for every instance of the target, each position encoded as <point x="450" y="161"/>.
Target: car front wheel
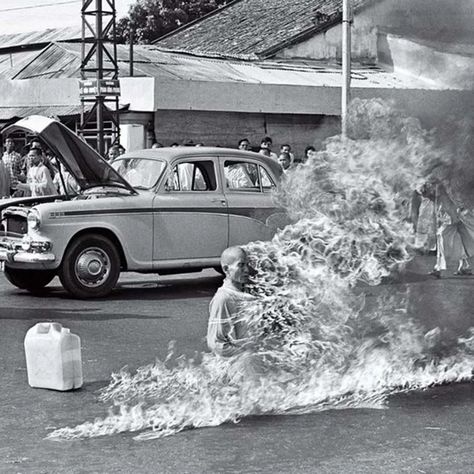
<point x="90" y="267"/>
<point x="32" y="280"/>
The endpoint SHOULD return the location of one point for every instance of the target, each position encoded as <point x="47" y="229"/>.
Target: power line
<point x="41" y="5"/>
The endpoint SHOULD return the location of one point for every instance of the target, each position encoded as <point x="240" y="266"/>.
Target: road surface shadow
<point x="150" y="290"/>
<point x="167" y="290"/>
<point x="66" y="314"/>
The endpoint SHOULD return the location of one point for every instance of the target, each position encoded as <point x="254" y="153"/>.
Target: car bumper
<point x="20" y="256"/>
<point x="25" y="250"/>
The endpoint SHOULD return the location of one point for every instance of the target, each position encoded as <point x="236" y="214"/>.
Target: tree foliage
<point x="151" y="19"/>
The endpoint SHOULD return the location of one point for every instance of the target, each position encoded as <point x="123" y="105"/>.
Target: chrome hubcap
<point x="92" y="267"/>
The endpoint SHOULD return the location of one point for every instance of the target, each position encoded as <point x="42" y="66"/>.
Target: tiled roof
<point x="257" y="28"/>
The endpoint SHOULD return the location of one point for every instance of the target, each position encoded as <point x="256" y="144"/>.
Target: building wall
<point x="437" y="65"/>
<point x="432" y="107"/>
<point x="33" y="92"/>
<point x="227" y="128"/>
<point x="327" y="45"/>
<point x="438" y="20"/>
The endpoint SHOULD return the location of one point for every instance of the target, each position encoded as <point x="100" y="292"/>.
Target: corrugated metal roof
<point x="11" y="62"/>
<point x="62" y="60"/>
<point x="32" y="38"/>
<point x="54" y="61"/>
<point x="7" y="113"/>
<point x="257" y="28"/>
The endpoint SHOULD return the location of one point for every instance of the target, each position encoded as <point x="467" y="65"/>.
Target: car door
<point x="248" y="188"/>
<point x="191" y="222"/>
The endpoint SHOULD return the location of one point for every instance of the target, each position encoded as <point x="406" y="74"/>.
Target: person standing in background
<point x="46" y="156"/>
<point x="266" y="148"/>
<point x="13" y="162"/>
<point x="455" y="235"/>
<point x="38" y="180"/>
<point x="309" y="153"/>
<point x="285" y="148"/>
<point x="244" y="144"/>
<point x="285" y="162"/>
<point x="423" y="218"/>
<point x="5" y="190"/>
<point x="113" y="152"/>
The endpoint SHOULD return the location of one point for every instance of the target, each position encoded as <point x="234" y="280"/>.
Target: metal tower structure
<point x="99" y="85"/>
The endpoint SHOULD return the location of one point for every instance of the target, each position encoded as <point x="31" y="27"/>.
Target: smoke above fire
<point x="316" y="343"/>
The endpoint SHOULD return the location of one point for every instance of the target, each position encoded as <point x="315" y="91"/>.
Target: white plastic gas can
<point x="53" y="357"/>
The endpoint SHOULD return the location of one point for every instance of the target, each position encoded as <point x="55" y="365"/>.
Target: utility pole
<point x="99" y="85"/>
<point x="131" y="38"/>
<point x="346" y="64"/>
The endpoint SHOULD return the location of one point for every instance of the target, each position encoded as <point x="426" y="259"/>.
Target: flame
<point x="315" y="341"/>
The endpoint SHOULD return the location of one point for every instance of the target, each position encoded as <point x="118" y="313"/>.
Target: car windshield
<point x="141" y="173"/>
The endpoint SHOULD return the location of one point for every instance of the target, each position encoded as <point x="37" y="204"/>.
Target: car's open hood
<point x="83" y="162"/>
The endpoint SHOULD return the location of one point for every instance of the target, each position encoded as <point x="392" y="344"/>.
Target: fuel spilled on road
<point x="316" y="343"/>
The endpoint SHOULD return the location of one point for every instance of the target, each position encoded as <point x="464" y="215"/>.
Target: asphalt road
<point x="429" y="431"/>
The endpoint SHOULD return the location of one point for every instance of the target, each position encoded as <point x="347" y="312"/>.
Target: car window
<point x="193" y="176"/>
<point x="141" y="173"/>
<point x="242" y="176"/>
<point x="266" y="180"/>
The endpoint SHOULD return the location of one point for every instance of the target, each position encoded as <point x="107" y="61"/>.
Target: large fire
<point x="316" y="343"/>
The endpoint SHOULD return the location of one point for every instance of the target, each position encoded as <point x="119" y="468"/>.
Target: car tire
<point x="33" y="281"/>
<point x="90" y="267"/>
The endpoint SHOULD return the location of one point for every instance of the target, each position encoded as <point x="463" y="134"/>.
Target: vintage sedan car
<point x="165" y="210"/>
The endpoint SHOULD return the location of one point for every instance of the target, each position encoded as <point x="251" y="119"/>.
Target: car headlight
<point x="34" y="219"/>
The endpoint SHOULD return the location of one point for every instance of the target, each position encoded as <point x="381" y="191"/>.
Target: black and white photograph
<point x="237" y="236"/>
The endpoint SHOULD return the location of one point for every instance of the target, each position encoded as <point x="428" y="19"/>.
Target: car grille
<point x="16" y="224"/>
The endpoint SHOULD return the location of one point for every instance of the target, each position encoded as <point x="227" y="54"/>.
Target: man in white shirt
<point x="266" y="144"/>
<point x="38" y="180"/>
<point x="13" y="163"/>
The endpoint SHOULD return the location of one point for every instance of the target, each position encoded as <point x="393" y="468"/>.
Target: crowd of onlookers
<point x="34" y="172"/>
<point x="285" y="157"/>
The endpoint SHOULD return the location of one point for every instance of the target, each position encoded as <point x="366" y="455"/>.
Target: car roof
<point x="170" y="153"/>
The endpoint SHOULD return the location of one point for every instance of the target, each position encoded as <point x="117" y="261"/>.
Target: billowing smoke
<point x="316" y="342"/>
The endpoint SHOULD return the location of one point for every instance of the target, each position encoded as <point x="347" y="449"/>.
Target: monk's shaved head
<point x="232" y="254"/>
<point x="234" y="263"/>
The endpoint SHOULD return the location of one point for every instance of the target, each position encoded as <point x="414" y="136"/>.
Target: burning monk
<point x="226" y="329"/>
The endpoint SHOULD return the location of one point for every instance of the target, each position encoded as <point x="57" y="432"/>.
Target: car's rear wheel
<point x="31" y="280"/>
<point x="90" y="267"/>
